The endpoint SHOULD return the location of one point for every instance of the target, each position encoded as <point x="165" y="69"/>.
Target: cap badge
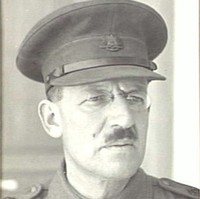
<point x="111" y="43"/>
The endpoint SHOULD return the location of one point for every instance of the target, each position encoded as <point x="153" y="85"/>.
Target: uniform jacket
<point x="140" y="186"/>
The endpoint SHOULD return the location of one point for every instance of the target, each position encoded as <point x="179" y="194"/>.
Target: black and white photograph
<point x="100" y="99"/>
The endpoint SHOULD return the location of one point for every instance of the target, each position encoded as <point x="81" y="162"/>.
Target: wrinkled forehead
<point x="125" y="84"/>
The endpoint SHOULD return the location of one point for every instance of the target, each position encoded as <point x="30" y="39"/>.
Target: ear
<point x="50" y="117"/>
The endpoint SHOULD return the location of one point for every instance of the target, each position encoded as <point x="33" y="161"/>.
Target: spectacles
<point x="136" y="100"/>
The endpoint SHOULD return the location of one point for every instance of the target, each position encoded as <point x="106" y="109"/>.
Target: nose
<point x="120" y="114"/>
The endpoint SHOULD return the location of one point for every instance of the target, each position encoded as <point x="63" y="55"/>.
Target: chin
<point x="120" y="170"/>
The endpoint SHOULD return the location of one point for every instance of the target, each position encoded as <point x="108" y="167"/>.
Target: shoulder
<point x="166" y="188"/>
<point x="36" y="191"/>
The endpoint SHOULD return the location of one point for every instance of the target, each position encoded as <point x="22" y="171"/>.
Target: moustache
<point x="121" y="134"/>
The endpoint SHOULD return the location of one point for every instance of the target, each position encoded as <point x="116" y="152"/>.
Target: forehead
<point x="121" y="84"/>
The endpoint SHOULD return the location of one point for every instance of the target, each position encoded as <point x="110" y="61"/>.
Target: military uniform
<point x="140" y="186"/>
<point x="96" y="41"/>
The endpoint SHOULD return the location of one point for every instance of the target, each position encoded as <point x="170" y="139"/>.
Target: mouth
<point x="120" y="145"/>
<point x="121" y="148"/>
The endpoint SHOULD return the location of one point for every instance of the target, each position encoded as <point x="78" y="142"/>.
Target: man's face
<point x="104" y="127"/>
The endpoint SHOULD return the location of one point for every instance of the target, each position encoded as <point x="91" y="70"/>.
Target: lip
<point x="119" y="145"/>
<point x="122" y="148"/>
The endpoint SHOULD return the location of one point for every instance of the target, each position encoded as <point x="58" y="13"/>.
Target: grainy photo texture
<point x="100" y="99"/>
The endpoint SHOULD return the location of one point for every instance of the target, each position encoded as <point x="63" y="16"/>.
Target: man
<point x="96" y="61"/>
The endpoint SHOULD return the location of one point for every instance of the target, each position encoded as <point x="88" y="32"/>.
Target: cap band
<point x="92" y="52"/>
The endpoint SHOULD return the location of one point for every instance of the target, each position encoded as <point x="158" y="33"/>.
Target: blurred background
<point x="30" y="156"/>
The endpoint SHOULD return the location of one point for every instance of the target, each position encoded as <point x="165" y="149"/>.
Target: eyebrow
<point x="106" y="90"/>
<point x="95" y="87"/>
<point x="134" y="86"/>
<point x="133" y="91"/>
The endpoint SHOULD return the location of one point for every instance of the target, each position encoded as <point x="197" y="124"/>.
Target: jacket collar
<point x="139" y="187"/>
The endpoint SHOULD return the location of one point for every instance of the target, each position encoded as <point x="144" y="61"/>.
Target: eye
<point x="135" y="99"/>
<point x="96" y="100"/>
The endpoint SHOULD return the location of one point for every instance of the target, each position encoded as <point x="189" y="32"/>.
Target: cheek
<point x="79" y="129"/>
<point x="141" y="125"/>
<point x="83" y="122"/>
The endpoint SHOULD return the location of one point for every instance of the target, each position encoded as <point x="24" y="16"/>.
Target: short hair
<point x="55" y="93"/>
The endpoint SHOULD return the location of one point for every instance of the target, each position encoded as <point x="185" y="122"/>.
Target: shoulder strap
<point x="36" y="191"/>
<point x="178" y="188"/>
